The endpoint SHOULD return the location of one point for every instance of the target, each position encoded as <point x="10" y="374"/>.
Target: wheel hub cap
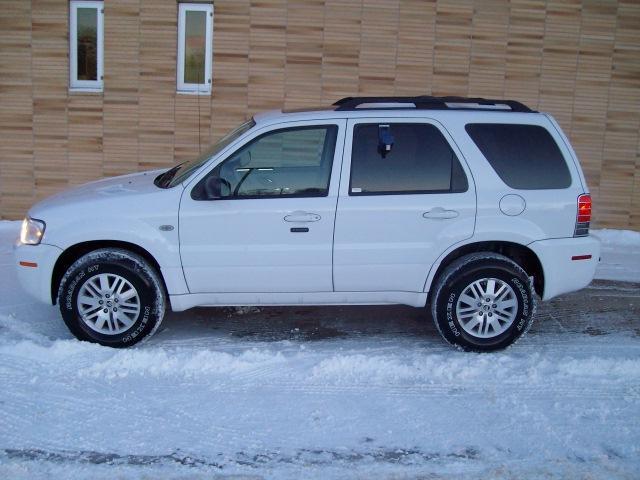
<point x="108" y="303"/>
<point x="487" y="307"/>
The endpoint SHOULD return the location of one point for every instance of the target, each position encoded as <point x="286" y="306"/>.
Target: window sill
<point x="76" y="90"/>
<point x="193" y="92"/>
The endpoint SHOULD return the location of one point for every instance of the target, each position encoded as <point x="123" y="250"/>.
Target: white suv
<point x="469" y="207"/>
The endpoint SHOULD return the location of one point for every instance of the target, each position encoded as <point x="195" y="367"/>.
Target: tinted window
<point x="525" y="157"/>
<point x="420" y="161"/>
<point x="292" y="162"/>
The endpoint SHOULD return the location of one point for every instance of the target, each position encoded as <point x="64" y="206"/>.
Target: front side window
<point x="86" y="48"/>
<point x="195" y="35"/>
<point x="294" y="162"/>
<point x="525" y="157"/>
<point x="403" y="158"/>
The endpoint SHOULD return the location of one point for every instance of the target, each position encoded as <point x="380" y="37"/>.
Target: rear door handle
<point x="302" y="217"/>
<point x="440" y="213"/>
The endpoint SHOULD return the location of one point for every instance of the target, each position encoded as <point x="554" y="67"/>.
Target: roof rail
<point x="425" y="102"/>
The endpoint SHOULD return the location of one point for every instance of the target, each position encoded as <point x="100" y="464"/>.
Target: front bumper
<point x="34" y="264"/>
<point x="569" y="264"/>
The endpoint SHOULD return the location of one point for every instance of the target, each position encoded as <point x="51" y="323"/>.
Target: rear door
<point x="406" y="196"/>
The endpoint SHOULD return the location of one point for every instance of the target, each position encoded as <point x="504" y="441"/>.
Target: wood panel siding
<point x="577" y="59"/>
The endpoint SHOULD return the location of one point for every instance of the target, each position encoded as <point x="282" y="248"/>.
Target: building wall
<point x="579" y="60"/>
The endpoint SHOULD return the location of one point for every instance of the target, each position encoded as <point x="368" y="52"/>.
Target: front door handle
<point x="302" y="217"/>
<point x="440" y="213"/>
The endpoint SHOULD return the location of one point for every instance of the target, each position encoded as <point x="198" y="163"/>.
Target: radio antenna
<point x="198" y="101"/>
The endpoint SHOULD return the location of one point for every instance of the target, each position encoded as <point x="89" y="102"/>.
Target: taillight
<point x="584" y="216"/>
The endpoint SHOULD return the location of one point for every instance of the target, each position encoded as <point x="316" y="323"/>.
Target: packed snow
<point x="620" y="254"/>
<point x="326" y="393"/>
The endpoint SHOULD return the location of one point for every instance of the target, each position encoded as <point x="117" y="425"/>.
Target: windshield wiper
<point x="164" y="179"/>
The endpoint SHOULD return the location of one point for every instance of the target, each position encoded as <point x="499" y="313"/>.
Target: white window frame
<point x="195" y="88"/>
<point x="74" y="83"/>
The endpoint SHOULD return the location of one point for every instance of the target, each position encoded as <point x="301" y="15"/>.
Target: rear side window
<point x="526" y="157"/>
<point x="420" y="161"/>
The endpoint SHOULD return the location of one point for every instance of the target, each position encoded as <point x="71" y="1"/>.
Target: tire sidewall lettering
<point x="450" y="309"/>
<point x="524" y="299"/>
<point x="130" y="336"/>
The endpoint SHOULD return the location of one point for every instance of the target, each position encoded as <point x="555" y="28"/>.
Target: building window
<point x="86" y="47"/>
<point x="195" y="34"/>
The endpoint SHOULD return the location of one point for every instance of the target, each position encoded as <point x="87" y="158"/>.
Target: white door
<point x="406" y="195"/>
<point x="262" y="219"/>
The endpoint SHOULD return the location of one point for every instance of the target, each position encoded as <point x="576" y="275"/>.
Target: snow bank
<point x="465" y="367"/>
<point x="617" y="238"/>
<point x="181" y="363"/>
<point x="55" y="352"/>
<point x="620" y="255"/>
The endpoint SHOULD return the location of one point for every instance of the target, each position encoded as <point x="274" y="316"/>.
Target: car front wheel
<point x="483" y="302"/>
<point x="112" y="297"/>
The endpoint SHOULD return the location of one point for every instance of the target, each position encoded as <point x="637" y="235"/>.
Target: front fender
<point x="149" y="221"/>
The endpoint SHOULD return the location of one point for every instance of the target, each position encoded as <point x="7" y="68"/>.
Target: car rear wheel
<point x="112" y="297"/>
<point x="483" y="302"/>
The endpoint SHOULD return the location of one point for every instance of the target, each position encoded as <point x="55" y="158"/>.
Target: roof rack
<point x="425" y="102"/>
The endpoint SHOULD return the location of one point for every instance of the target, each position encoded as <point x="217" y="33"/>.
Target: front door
<point x="405" y="197"/>
<point x="262" y="219"/>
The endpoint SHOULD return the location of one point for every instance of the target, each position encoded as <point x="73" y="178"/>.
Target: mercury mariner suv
<point x="469" y="208"/>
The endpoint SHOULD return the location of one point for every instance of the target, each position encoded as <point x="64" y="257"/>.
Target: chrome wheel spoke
<point x="501" y="291"/>
<point x="506" y="304"/>
<point x="473" y="322"/>
<point x="92" y="288"/>
<point x="103" y="282"/>
<point x="128" y="308"/>
<point x="88" y="300"/>
<point x="491" y="287"/>
<point x="124" y="319"/>
<point x="466" y="311"/>
<point x="127" y="294"/>
<point x="468" y="299"/>
<point x="99" y="323"/>
<point x="108" y="303"/>
<point x="476" y="290"/>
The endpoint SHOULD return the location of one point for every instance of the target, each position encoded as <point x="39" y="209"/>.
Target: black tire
<point x="132" y="268"/>
<point x="461" y="273"/>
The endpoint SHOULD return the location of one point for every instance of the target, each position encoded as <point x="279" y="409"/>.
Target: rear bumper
<point x="569" y="264"/>
<point x="36" y="270"/>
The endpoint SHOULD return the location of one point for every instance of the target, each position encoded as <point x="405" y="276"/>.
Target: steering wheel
<point x="213" y="187"/>
<point x="226" y="183"/>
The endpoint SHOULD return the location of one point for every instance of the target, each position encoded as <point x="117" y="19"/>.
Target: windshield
<point x="182" y="171"/>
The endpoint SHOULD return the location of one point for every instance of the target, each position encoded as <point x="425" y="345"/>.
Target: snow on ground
<point x="326" y="393"/>
<point x="620" y="255"/>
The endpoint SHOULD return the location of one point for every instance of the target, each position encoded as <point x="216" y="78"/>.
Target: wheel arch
<point x="74" y="252"/>
<point x="521" y="254"/>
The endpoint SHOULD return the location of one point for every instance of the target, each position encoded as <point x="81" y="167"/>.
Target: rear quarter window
<point x="525" y="157"/>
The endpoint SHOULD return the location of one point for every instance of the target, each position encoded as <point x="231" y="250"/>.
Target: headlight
<point x="32" y="231"/>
